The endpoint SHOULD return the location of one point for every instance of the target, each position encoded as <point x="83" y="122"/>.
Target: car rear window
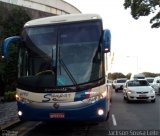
<point x="121" y="81"/>
<point x="150" y="80"/>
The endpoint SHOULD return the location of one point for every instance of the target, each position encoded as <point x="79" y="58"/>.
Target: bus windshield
<point x="62" y="55"/>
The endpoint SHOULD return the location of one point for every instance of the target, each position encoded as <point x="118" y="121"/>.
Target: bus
<point x="61" y="68"/>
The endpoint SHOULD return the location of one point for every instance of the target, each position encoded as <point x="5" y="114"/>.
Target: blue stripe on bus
<point x="80" y="95"/>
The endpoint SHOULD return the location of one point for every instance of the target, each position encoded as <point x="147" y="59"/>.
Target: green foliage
<point x="11" y="23"/>
<point x="11" y="68"/>
<point x="10" y="96"/>
<point x="110" y="76"/>
<point x="149" y="74"/>
<point x="128" y="75"/>
<point x="115" y="75"/>
<point x="145" y="8"/>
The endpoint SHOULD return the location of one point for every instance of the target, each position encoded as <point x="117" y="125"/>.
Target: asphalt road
<point x="136" y="118"/>
<point x="135" y="115"/>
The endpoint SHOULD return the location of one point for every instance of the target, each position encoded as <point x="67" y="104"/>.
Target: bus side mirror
<point x="6" y="43"/>
<point x="106" y="40"/>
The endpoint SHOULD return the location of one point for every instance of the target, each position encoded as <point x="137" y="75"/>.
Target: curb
<point x="10" y="125"/>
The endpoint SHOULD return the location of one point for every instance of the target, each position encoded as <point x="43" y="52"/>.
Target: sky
<point x="135" y="45"/>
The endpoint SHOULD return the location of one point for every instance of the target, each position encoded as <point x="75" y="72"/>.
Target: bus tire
<point x="107" y="116"/>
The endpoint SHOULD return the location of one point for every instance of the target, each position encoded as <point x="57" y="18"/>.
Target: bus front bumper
<point x="97" y="111"/>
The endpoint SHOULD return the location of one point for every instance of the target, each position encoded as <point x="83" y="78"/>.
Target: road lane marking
<point x="114" y="120"/>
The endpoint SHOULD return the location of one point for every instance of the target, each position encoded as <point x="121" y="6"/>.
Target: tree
<point x="115" y="75"/>
<point x="128" y="75"/>
<point x="11" y="69"/>
<point x="145" y="8"/>
<point x="149" y="74"/>
<point x="11" y="23"/>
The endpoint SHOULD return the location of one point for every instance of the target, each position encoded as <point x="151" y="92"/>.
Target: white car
<point x="156" y="84"/>
<point x="138" y="89"/>
<point x="119" y="83"/>
<point x="150" y="80"/>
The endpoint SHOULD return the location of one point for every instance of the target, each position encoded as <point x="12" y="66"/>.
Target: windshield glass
<point x="81" y="52"/>
<point x="138" y="83"/>
<point x="150" y="80"/>
<point x="40" y="46"/>
<point x="69" y="54"/>
<point x="121" y="81"/>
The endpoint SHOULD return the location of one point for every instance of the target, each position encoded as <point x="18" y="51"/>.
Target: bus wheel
<point x="107" y="116"/>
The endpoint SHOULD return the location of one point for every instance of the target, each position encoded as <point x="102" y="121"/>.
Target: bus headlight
<point x="95" y="98"/>
<point x="23" y="100"/>
<point x="17" y="97"/>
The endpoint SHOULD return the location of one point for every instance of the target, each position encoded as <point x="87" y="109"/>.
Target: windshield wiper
<point x="67" y="71"/>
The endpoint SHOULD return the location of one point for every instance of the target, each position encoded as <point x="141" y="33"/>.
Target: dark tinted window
<point x="121" y="81"/>
<point x="150" y="80"/>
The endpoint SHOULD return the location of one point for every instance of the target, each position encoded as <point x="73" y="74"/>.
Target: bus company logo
<point x="56" y="97"/>
<point x="56" y="105"/>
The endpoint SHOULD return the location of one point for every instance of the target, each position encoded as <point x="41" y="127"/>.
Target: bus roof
<point x="62" y="19"/>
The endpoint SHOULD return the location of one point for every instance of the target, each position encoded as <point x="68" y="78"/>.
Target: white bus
<point x="61" y="69"/>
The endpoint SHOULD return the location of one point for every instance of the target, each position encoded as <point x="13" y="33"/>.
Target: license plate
<point x="56" y="115"/>
<point x="142" y="95"/>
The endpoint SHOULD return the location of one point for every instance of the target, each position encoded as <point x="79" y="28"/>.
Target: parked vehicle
<point x="137" y="76"/>
<point x="119" y="83"/>
<point x="150" y="80"/>
<point x="113" y="84"/>
<point x="109" y="82"/>
<point x="138" y="89"/>
<point x="156" y="84"/>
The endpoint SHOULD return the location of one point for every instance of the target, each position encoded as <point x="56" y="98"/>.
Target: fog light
<point x="20" y="113"/>
<point x="17" y="97"/>
<point x="100" y="112"/>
